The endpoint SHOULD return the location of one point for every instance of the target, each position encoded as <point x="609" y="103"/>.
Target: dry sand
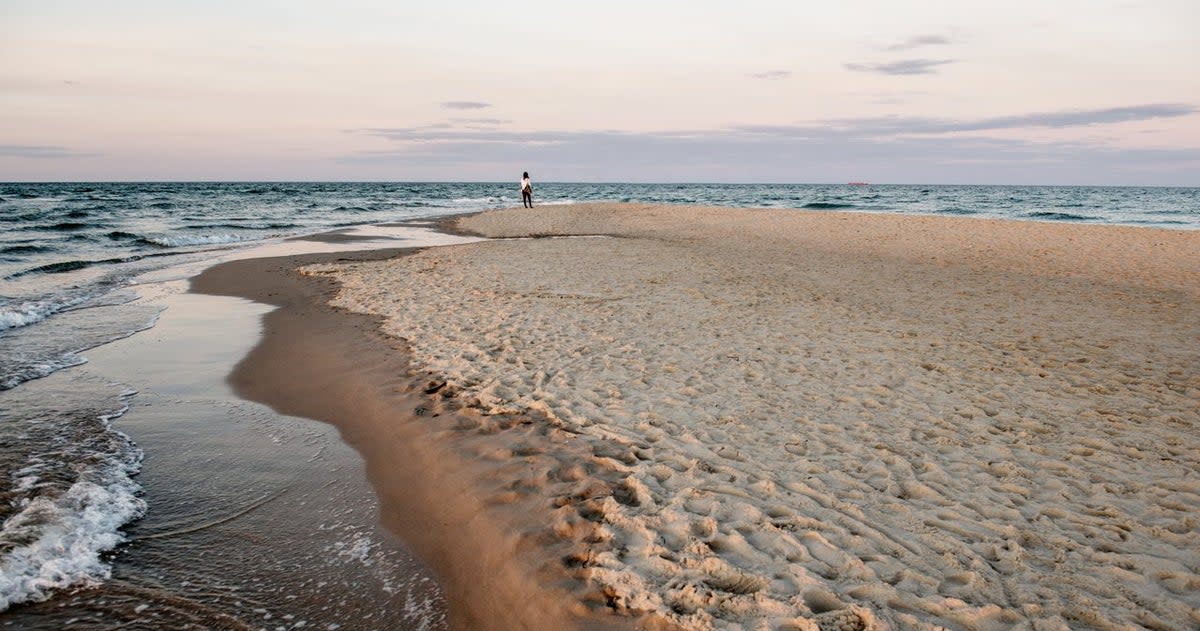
<point x="757" y="419"/>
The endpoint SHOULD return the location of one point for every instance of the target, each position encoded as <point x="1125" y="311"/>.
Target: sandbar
<point x="741" y="418"/>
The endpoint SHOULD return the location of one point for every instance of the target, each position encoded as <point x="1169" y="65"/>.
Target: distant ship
<point x="856" y="183"/>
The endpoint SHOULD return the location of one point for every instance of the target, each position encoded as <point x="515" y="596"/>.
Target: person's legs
<point x="526" y="199"/>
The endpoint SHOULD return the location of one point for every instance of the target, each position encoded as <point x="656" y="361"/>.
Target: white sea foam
<point x="500" y="200"/>
<point x="424" y="607"/>
<point x="31" y="311"/>
<point x="176" y="241"/>
<point x="36" y="370"/>
<point x="34" y="360"/>
<point x="59" y="540"/>
<point x="360" y="548"/>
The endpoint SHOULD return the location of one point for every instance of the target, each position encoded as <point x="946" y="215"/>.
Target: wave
<point x="63" y="331"/>
<point x="30" y="311"/>
<point x="25" y="249"/>
<point x="13" y="376"/>
<point x="55" y="542"/>
<point x="177" y="241"/>
<point x="1040" y="214"/>
<point x="1175" y="211"/>
<point x="33" y="216"/>
<point x="56" y="268"/>
<point x="78" y="264"/>
<point x="957" y="211"/>
<point x="1158" y="222"/>
<point x="121" y="235"/>
<point x="242" y="226"/>
<point x="826" y="205"/>
<point x="66" y="226"/>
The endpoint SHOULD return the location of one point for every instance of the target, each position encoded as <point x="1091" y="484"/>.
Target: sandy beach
<point x="759" y="419"/>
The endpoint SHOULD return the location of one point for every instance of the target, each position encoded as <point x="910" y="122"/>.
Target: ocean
<point x="72" y="256"/>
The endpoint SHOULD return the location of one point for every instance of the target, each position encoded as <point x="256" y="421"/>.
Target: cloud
<point x="878" y="128"/>
<point x="425" y="135"/>
<point x="1091" y="117"/>
<point x="481" y="121"/>
<point x="903" y="67"/>
<point x="734" y="154"/>
<point x="465" y="105"/>
<point x="894" y="149"/>
<point x="772" y="75"/>
<point x="918" y="41"/>
<point x="893" y="125"/>
<point x="41" y="152"/>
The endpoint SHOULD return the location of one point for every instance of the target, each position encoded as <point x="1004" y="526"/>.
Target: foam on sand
<point x="843" y="421"/>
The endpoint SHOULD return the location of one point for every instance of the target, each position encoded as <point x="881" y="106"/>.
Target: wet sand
<point x="781" y="419"/>
<point x="255" y="520"/>
<point x="469" y="520"/>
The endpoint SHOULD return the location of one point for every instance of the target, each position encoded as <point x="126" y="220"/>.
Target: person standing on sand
<point x="526" y="191"/>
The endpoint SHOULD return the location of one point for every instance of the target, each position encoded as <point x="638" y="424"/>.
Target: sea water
<point x="70" y="254"/>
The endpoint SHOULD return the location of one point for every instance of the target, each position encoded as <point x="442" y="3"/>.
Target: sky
<point x="1085" y="92"/>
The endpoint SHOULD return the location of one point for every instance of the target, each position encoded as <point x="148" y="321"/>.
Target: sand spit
<point x="833" y="420"/>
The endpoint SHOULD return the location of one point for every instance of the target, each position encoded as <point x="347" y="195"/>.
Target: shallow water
<point x="255" y="520"/>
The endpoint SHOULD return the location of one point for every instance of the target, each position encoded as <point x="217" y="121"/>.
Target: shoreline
<point x="317" y="362"/>
<point x="253" y="517"/>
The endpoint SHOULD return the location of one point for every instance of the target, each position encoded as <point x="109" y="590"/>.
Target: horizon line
<point x="604" y="182"/>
